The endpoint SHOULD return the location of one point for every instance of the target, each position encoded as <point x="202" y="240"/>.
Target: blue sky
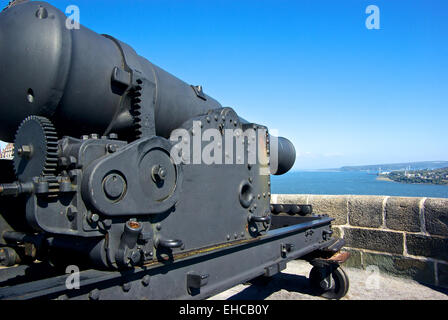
<point x="345" y="95"/>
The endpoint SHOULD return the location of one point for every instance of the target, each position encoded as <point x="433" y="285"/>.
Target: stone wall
<point x="403" y="236"/>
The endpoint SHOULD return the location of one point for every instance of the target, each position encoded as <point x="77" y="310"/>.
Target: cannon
<point x="130" y="174"/>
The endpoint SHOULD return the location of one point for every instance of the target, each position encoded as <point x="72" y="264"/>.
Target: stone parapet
<point x="404" y="236"/>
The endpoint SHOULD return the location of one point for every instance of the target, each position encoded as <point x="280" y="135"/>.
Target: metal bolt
<point x="94" y="217"/>
<point x="158" y="173"/>
<point x="25" y="151"/>
<point x="135" y="257"/>
<point x="30" y="96"/>
<point x="146" y="279"/>
<point x="94" y="294"/>
<point x="111" y="148"/>
<point x="71" y="213"/>
<point x="126" y="287"/>
<point x="41" y="13"/>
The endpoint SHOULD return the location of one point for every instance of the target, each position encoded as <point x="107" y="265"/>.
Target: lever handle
<point x="260" y="219"/>
<point x="169" y="243"/>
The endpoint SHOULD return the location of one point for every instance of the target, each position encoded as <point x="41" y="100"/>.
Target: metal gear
<point x="136" y="108"/>
<point x="142" y="108"/>
<point x="35" y="148"/>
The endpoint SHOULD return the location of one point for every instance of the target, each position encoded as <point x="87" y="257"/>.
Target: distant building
<point x="7" y="152"/>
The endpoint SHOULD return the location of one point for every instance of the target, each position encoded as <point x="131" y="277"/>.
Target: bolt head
<point x="135" y="257"/>
<point x="94" y="294"/>
<point x="126" y="287"/>
<point x="146" y="279"/>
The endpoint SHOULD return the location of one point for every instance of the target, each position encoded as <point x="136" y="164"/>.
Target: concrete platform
<point x="292" y="284"/>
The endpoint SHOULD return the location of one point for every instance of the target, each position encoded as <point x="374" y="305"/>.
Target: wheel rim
<point x="340" y="288"/>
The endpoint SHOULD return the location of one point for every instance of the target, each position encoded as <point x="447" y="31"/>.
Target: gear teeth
<point x="136" y="108"/>
<point x="50" y="143"/>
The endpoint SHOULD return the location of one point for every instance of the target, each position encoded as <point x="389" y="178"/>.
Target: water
<point x="357" y="183"/>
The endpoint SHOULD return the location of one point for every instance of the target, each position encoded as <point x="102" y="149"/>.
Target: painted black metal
<point x="242" y="261"/>
<point x="97" y="183"/>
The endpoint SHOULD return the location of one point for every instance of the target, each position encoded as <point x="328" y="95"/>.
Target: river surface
<point x="356" y="183"/>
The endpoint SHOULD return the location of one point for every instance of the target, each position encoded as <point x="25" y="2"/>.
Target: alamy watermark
<point x="373" y="20"/>
<point x="73" y="280"/>
<point x="73" y="21"/>
<point x="373" y="279"/>
<point x="225" y="146"/>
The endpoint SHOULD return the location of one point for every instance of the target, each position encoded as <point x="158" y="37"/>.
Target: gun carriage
<point x="98" y="181"/>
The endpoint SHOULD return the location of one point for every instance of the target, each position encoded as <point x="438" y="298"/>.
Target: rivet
<point x="146" y="279"/>
<point x="126" y="287"/>
<point x="94" y="294"/>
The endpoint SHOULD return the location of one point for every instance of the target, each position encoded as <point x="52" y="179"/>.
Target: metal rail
<point x="192" y="276"/>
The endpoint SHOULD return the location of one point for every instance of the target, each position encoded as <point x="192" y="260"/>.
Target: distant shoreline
<point x="383" y="178"/>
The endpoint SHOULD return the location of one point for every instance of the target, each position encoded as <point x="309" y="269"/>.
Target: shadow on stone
<point x="435" y="288"/>
<point x="261" y="288"/>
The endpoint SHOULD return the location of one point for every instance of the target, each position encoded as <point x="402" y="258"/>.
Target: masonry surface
<point x="404" y="236"/>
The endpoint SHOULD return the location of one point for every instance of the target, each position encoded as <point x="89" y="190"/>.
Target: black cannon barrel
<point x="65" y="75"/>
<point x="47" y="69"/>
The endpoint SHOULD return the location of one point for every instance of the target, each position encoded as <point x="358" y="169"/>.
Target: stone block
<point x="334" y="206"/>
<point x="337" y="232"/>
<point x="403" y="214"/>
<point x="419" y="270"/>
<point x="436" y="216"/>
<point x="365" y="211"/>
<point x="289" y="198"/>
<point x="355" y="260"/>
<point x="377" y="240"/>
<point x="427" y="246"/>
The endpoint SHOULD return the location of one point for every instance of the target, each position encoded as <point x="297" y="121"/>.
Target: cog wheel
<point x="35" y="149"/>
